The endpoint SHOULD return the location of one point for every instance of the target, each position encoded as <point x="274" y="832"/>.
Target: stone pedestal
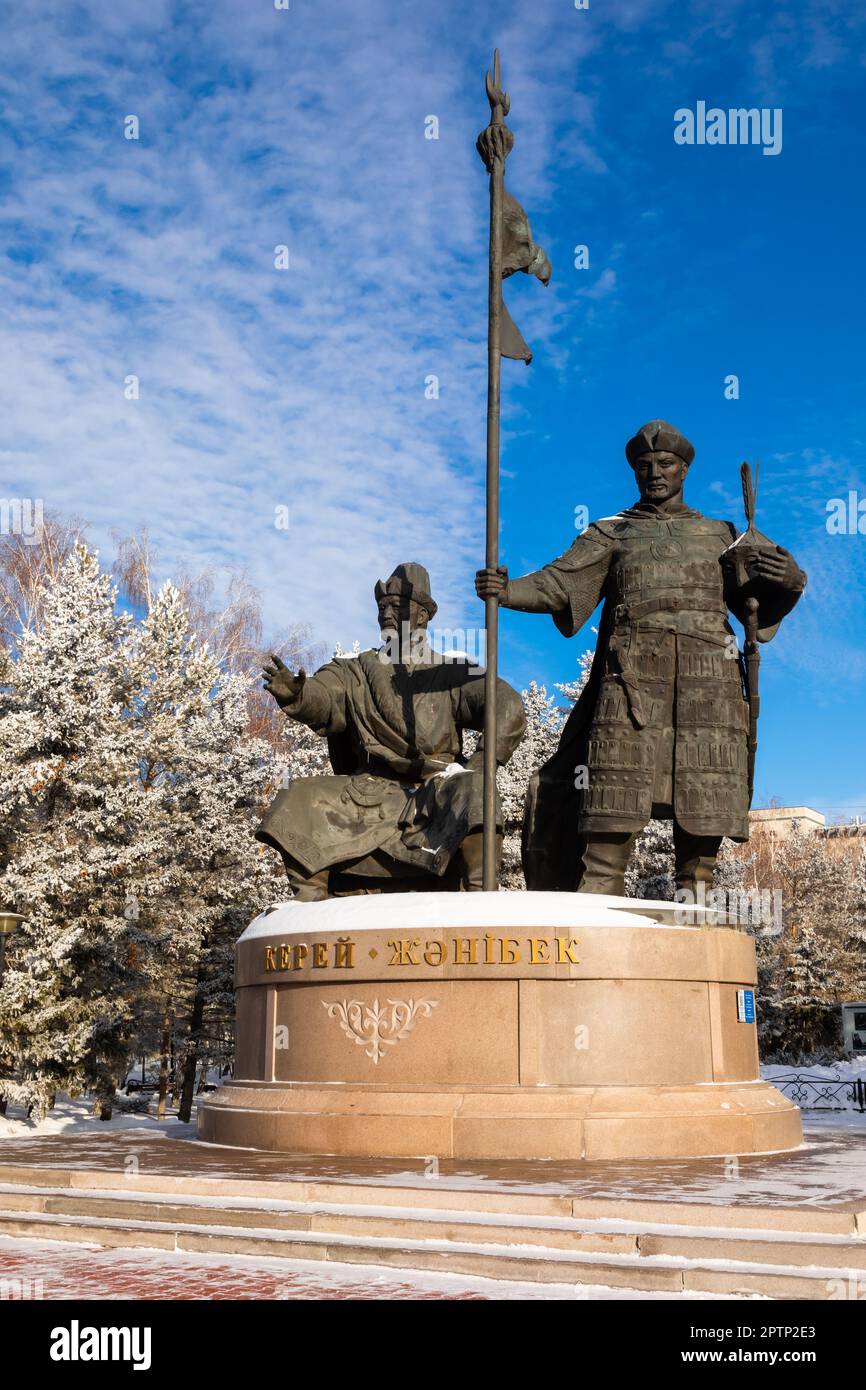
<point x="495" y="1025"/>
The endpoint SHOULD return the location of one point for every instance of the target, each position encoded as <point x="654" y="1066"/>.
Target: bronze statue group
<point x="664" y="728"/>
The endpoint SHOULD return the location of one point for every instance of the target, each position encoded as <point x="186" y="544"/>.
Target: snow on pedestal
<point x="496" y="1025"/>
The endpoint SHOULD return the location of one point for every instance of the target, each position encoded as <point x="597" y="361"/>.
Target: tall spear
<point x="751" y="649"/>
<point x="509" y="225"/>
<point x="494" y="146"/>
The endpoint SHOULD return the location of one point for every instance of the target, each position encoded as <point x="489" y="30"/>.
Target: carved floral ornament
<point x="373" y="1027"/>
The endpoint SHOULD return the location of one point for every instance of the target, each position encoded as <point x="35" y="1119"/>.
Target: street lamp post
<point x="9" y="922"/>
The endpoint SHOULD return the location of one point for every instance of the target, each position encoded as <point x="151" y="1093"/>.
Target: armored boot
<point x="469" y="862"/>
<point x="603" y="860"/>
<point x="306" y="887"/>
<point x="695" y="860"/>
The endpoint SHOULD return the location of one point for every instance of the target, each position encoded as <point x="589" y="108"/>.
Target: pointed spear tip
<point x="495" y="94"/>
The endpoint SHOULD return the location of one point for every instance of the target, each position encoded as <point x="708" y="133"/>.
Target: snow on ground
<point x="818" y="1121"/>
<point x="76" y="1117"/>
<point x="50" y="1271"/>
<point x="821" y="1092"/>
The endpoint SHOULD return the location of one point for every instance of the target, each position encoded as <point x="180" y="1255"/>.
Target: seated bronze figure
<point x="403" y="809"/>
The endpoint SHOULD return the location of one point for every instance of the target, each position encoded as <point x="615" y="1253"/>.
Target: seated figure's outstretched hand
<point x="489" y="583"/>
<point x="280" y="682"/>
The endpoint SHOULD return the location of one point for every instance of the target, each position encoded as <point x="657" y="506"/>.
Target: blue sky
<point x="304" y="388"/>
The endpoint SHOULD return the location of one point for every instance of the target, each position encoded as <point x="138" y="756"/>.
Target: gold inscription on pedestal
<point x="344" y="953"/>
<point x="404" y="952"/>
<point x="485" y="950"/>
<point x="465" y="950"/>
<point x="284" y="957"/>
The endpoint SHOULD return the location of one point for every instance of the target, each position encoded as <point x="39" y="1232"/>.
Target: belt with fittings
<point x="667" y="603"/>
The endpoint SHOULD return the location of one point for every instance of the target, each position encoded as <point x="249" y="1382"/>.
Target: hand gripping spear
<point x="511" y="249"/>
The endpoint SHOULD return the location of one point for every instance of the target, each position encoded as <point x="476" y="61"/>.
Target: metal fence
<point x="823" y="1093"/>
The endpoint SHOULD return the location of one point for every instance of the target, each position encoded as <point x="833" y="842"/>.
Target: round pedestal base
<point x="559" y="1123"/>
<point x="496" y="1026"/>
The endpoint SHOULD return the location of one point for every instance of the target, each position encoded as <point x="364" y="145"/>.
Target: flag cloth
<point x="519" y="252"/>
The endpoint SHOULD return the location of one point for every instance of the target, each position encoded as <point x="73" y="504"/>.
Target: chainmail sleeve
<point x="569" y="588"/>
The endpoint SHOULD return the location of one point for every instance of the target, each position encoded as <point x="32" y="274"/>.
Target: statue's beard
<point x="404" y="646"/>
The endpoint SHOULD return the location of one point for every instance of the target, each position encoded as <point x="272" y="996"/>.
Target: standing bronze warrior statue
<point x="404" y="807"/>
<point x="662" y="728"/>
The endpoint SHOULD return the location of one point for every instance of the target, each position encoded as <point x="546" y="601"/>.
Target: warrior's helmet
<point x="411" y="581"/>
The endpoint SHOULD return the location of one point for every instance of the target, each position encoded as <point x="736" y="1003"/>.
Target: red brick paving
<point x="83" y="1272"/>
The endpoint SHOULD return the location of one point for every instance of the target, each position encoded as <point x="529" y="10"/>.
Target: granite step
<point x="598" y="1235"/>
<point x="846" y="1218"/>
<point x="558" y="1250"/>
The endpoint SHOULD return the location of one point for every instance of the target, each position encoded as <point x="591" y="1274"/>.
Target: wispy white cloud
<point x="305" y="388"/>
<point x="258" y="387"/>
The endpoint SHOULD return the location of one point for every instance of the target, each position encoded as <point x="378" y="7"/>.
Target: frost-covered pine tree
<point x="544" y="720"/>
<point x="572" y="690"/>
<point x="650" y="871"/>
<point x="130" y="787"/>
<point x="818" y="960"/>
<point x="204" y="781"/>
<point x="70" y="808"/>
